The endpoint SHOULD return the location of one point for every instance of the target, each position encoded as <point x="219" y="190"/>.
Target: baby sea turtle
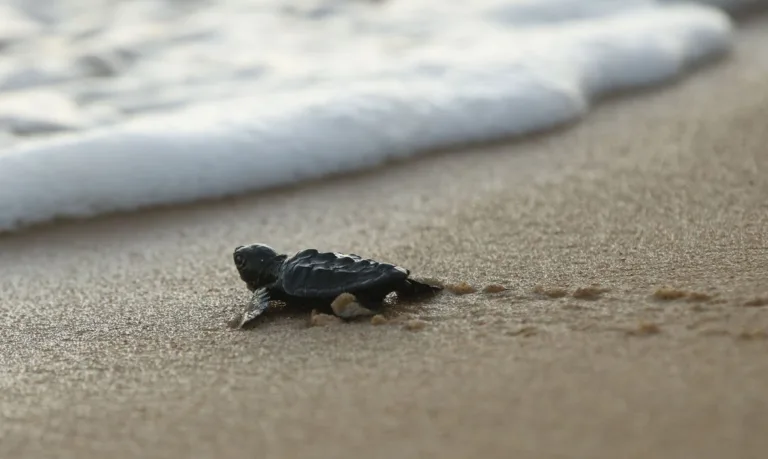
<point x="321" y="279"/>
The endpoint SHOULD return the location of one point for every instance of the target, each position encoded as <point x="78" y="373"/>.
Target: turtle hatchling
<point x="349" y="284"/>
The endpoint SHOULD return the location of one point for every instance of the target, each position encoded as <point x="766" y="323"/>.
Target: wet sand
<point x="633" y="248"/>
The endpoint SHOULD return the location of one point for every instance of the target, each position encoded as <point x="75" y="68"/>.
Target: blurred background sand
<point x="115" y="343"/>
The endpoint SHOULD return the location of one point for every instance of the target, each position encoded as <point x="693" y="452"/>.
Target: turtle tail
<point x="413" y="288"/>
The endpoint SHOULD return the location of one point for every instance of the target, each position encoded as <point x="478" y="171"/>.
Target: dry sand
<point x="115" y="345"/>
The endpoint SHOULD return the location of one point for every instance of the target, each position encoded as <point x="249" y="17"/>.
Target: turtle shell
<point x="310" y="273"/>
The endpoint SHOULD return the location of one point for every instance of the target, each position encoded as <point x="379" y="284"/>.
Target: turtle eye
<point x="239" y="261"/>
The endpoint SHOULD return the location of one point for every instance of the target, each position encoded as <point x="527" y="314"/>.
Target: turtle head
<point x="257" y="264"/>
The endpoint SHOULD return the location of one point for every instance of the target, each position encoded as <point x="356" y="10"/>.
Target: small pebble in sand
<point x="669" y="294"/>
<point x="415" y="325"/>
<point x="378" y="319"/>
<point x="552" y="292"/>
<point x="756" y="302"/>
<point x="346" y="305"/>
<point x="592" y="292"/>
<point x="645" y="329"/>
<point x="323" y="320"/>
<point x="461" y="288"/>
<point x="494" y="288"/>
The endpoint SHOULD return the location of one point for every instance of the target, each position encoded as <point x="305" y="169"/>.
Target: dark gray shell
<point x="310" y="273"/>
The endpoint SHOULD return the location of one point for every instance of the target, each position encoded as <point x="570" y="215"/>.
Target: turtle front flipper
<point x="258" y="304"/>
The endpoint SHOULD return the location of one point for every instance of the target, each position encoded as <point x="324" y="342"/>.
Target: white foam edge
<point x="250" y="144"/>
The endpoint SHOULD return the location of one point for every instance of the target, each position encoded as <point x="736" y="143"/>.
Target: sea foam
<point x="508" y="68"/>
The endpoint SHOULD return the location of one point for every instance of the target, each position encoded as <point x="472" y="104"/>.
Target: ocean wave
<point x="508" y="68"/>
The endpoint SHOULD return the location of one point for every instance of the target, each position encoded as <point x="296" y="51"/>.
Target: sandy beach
<point x="633" y="248"/>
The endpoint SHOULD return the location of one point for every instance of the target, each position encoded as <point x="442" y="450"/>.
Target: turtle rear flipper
<point x="412" y="288"/>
